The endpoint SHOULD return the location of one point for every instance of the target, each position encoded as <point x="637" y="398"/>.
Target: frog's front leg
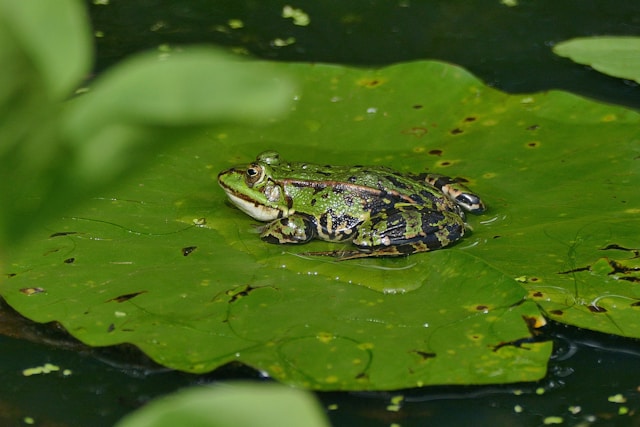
<point x="293" y="229"/>
<point x="408" y="229"/>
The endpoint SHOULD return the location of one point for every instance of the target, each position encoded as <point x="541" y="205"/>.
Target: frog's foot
<point x="456" y="191"/>
<point x="293" y="229"/>
<point x="343" y="255"/>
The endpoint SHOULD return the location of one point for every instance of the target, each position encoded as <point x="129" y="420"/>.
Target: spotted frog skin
<point x="380" y="211"/>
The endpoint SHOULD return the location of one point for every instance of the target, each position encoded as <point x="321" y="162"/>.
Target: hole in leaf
<point x="126" y="297"/>
<point x="188" y="250"/>
<point x="63" y="233"/>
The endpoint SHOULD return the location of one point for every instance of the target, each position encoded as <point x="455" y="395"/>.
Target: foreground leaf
<point x="55" y="152"/>
<point x="54" y="37"/>
<point x="614" y="56"/>
<point x="235" y="405"/>
<point x="164" y="263"/>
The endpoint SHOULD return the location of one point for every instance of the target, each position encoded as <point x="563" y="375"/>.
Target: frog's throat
<point x="255" y="210"/>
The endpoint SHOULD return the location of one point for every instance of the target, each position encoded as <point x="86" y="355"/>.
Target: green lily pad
<point x="164" y="263"/>
<point x="614" y="55"/>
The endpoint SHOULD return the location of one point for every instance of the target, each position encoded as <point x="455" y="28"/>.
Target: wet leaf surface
<point x="164" y="263"/>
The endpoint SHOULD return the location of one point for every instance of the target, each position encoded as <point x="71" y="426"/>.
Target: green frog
<point x="382" y="212"/>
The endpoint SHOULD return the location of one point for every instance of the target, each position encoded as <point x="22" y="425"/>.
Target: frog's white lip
<point x="253" y="209"/>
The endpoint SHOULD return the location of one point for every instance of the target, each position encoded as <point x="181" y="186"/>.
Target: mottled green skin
<point x="382" y="212"/>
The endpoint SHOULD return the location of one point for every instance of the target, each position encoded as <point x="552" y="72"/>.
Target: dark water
<point x="586" y="370"/>
<point x="509" y="48"/>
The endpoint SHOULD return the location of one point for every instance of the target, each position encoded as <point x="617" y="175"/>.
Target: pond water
<point x="589" y="376"/>
<point x="509" y="47"/>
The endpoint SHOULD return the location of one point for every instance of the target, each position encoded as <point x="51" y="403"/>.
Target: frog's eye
<point x="254" y="175"/>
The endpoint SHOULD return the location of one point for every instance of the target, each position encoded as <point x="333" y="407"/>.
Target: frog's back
<point x="359" y="190"/>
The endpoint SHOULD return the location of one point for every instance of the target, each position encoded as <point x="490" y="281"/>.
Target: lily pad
<point x="164" y="263"/>
<point x="614" y="55"/>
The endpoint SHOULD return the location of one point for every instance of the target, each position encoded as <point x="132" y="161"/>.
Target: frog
<point x="379" y="211"/>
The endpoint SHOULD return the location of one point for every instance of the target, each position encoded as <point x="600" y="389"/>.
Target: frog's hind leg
<point x="408" y="229"/>
<point x="456" y="191"/>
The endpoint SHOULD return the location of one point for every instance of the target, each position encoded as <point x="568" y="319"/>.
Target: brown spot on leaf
<point x="436" y="152"/>
<point x="557" y="312"/>
<point x="469" y="119"/>
<point x="63" y="233"/>
<point x="613" y="246"/>
<point x="362" y="376"/>
<point x="534" y="323"/>
<point x="456" y="131"/>
<point x="596" y="309"/>
<point x="576" y="270"/>
<point x="188" y="250"/>
<point x="235" y="295"/>
<point x="69" y="260"/>
<point x="415" y="131"/>
<point x="370" y="82"/>
<point x="200" y="222"/>
<point x="31" y="291"/>
<point x="424" y="354"/>
<point x="621" y="268"/>
<point x="126" y="297"/>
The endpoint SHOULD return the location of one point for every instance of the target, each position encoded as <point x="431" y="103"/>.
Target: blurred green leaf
<point x="55" y="39"/>
<point x="152" y="100"/>
<point x="163" y="262"/>
<point x="231" y="405"/>
<point x="614" y="55"/>
<point x="55" y="152"/>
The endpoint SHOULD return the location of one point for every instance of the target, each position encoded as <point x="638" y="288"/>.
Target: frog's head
<point x="252" y="189"/>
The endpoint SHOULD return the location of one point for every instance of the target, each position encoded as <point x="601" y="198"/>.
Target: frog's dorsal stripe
<point x="341" y="187"/>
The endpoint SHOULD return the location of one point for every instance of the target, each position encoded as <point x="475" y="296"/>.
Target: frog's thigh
<point x="294" y="229"/>
<point x="410" y="225"/>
